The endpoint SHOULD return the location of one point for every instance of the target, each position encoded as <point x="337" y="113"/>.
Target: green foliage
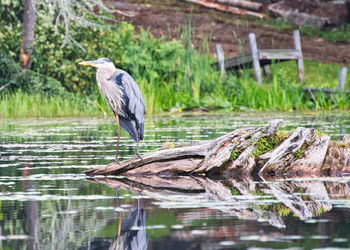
<point x="20" y="104"/>
<point x="234" y="154"/>
<point x="11" y="75"/>
<point x="172" y="75"/>
<point x="337" y="34"/>
<point x="301" y="151"/>
<point x="266" y="144"/>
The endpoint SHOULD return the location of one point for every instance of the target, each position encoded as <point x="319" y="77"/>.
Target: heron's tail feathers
<point x="130" y="127"/>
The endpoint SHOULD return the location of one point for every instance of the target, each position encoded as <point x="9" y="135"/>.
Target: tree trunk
<point x="27" y="33"/>
<point x="251" y="150"/>
<point x="242" y="4"/>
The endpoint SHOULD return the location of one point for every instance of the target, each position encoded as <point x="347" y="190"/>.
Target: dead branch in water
<point x="263" y="150"/>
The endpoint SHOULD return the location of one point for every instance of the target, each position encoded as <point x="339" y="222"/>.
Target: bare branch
<point x="74" y="11"/>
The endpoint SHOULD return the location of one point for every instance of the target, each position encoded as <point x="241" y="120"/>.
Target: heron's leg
<point x="116" y="154"/>
<point x="119" y="225"/>
<point x="137" y="145"/>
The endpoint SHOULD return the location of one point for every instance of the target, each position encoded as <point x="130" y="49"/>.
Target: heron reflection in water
<point x="132" y="232"/>
<point x="123" y="96"/>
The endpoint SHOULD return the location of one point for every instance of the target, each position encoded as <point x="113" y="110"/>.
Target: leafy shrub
<point x="12" y="78"/>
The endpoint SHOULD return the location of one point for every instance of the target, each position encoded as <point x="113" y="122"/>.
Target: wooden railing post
<point x="297" y="46"/>
<point x="342" y="78"/>
<point x="255" y="56"/>
<point x="221" y="59"/>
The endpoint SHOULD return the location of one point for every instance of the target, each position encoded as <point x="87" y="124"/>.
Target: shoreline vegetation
<point x="172" y="75"/>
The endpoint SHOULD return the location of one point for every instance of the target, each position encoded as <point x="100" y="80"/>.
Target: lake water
<point x="47" y="203"/>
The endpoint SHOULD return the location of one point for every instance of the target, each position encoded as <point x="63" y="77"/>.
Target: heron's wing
<point x="128" y="126"/>
<point x="134" y="106"/>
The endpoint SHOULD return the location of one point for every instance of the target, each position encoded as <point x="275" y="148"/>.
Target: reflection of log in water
<point x="303" y="198"/>
<point x="132" y="233"/>
<point x="264" y="150"/>
<point x="32" y="215"/>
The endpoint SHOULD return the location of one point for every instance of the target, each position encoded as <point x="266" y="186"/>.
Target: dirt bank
<point x="229" y="30"/>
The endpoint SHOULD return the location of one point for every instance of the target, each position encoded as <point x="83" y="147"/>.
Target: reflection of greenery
<point x="322" y="210"/>
<point x="166" y="218"/>
<point x="282" y="209"/>
<point x="109" y="231"/>
<point x="234" y="191"/>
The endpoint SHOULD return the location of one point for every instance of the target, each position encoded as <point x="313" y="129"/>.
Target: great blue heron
<point x="124" y="98"/>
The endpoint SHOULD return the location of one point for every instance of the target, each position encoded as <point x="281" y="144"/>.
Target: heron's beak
<point x="89" y="63"/>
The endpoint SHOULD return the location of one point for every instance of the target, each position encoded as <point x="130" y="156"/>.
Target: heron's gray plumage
<point x="125" y="99"/>
<point x="123" y="96"/>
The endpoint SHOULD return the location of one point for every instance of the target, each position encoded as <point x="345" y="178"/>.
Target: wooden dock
<point x="258" y="58"/>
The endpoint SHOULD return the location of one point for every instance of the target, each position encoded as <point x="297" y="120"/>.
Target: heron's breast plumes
<point x="112" y="92"/>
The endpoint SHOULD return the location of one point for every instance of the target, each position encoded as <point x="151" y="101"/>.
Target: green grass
<point x="20" y="104"/>
<point x="317" y="74"/>
<point x="198" y="86"/>
<point x="172" y="75"/>
<point x="337" y="34"/>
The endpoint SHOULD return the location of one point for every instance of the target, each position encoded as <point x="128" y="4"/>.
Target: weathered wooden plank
<point x="342" y="78"/>
<point x="282" y="54"/>
<point x="266" y="69"/>
<point x="221" y="59"/>
<point x="255" y="56"/>
<point x="314" y="92"/>
<point x="297" y="46"/>
<point x="239" y="61"/>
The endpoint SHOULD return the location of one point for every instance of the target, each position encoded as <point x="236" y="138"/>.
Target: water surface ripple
<point x="47" y="203"/>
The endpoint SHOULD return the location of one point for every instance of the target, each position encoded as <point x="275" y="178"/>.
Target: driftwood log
<point x="227" y="8"/>
<point x="245" y="4"/>
<point x="251" y="150"/>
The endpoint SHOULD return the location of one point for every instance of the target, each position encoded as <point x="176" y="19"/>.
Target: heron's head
<point x="100" y="63"/>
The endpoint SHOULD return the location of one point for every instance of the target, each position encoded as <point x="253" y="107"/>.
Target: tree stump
<point x="252" y="150"/>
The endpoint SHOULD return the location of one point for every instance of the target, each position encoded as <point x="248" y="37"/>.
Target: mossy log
<point x="253" y="150"/>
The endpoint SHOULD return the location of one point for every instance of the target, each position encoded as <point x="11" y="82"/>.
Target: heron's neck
<point x="105" y="72"/>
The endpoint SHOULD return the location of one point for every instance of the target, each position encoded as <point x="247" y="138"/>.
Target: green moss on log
<point x="266" y="144"/>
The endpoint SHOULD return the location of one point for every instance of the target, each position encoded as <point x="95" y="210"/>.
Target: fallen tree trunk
<point x="225" y="8"/>
<point x="242" y="4"/>
<point x="292" y="16"/>
<point x="256" y="150"/>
